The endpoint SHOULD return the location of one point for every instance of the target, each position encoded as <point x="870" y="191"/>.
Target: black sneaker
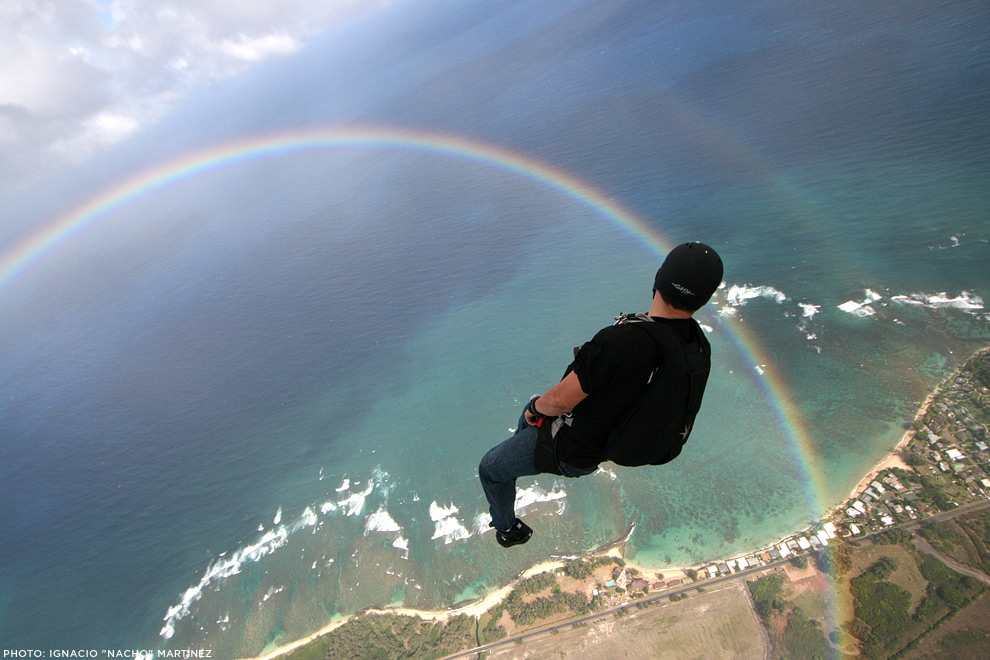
<point x="518" y="534"/>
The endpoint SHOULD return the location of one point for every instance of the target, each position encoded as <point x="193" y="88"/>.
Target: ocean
<point x="249" y="372"/>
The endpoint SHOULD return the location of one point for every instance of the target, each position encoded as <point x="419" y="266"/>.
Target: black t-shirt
<point x="613" y="368"/>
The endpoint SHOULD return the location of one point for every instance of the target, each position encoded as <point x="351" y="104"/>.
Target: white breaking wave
<point x="278" y="517"/>
<point x="528" y="496"/>
<point x="447" y="526"/>
<point x="269" y="542"/>
<point x="381" y="521"/>
<point x="738" y="294"/>
<point x="354" y="504"/>
<point x="965" y="300"/>
<point x="482" y="522"/>
<point x="808" y="310"/>
<point x="857" y="308"/>
<point x="450" y="529"/>
<point x="344" y="485"/>
<point x="438" y="512"/>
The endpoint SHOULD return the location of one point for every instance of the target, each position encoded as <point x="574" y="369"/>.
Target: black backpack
<point x="657" y="424"/>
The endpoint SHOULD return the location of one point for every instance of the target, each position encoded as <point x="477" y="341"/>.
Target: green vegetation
<point x="581" y="569"/>
<point x="967" y="540"/>
<point x="881" y="610"/>
<point x="391" y="637"/>
<point x="893" y="537"/>
<point x="803" y="637"/>
<point x="834" y="560"/>
<point x="767" y="594"/>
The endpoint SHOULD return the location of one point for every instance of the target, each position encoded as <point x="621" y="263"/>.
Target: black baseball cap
<point x="689" y="276"/>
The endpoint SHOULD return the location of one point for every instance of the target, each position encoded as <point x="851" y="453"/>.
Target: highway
<point x="742" y="575"/>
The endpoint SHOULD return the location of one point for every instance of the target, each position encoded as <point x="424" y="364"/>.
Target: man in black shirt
<point x="605" y="378"/>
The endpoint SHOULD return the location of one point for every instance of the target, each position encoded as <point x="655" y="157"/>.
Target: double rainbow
<point x="33" y="249"/>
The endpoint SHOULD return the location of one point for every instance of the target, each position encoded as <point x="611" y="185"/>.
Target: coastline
<point x="615" y="549"/>
<point x="893" y="458"/>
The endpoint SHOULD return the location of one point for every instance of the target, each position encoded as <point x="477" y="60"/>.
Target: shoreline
<point x="615" y="549"/>
<point x="893" y="458"/>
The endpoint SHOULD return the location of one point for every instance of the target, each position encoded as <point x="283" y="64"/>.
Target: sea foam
<point x="381" y="521"/>
<point x="269" y="542"/>
<point x="447" y="526"/>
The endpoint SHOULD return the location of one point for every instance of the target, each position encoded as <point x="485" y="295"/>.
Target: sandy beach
<point x="893" y="459"/>
<point x="482" y="605"/>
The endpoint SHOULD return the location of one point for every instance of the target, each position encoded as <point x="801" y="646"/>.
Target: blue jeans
<point x="511" y="459"/>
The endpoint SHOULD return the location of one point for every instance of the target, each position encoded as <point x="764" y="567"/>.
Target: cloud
<point x="78" y="75"/>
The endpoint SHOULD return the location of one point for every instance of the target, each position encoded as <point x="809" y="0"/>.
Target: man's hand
<point x="558" y="400"/>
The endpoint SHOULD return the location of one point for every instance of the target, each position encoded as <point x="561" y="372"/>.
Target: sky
<point x="77" y="76"/>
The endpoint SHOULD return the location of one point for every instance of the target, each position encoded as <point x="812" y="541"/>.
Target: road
<point x="742" y="575"/>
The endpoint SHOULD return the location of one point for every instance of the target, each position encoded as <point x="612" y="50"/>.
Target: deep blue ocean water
<point x="254" y="401"/>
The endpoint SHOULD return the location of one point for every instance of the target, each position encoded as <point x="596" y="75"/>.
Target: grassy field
<point x="718" y="624"/>
<point x="965" y="637"/>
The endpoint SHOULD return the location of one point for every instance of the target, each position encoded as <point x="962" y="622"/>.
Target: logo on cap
<point x="683" y="289"/>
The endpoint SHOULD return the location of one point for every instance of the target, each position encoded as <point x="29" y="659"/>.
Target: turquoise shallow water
<point x="255" y="401"/>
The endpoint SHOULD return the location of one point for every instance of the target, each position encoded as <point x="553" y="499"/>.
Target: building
<point x="639" y="584"/>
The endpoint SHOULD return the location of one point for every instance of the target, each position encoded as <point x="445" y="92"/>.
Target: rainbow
<point x="33" y="249"/>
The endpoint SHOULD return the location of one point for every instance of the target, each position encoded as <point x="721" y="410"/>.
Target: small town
<point x="770" y="603"/>
<point x="943" y="463"/>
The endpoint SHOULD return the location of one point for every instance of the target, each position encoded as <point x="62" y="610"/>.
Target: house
<point x="639" y="584"/>
<point x="712" y="570"/>
<point x="854" y="529"/>
<point x="822" y="536"/>
<point x="892" y="481"/>
<point x="742" y="563"/>
<point x="803" y="543"/>
<point x="955" y="454"/>
<point x="887" y="520"/>
<point x="877" y="486"/>
<point x="829" y="529"/>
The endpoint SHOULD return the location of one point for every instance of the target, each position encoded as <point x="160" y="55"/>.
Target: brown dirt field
<point x="964" y="637"/>
<point x="715" y="625"/>
<point x="795" y="574"/>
